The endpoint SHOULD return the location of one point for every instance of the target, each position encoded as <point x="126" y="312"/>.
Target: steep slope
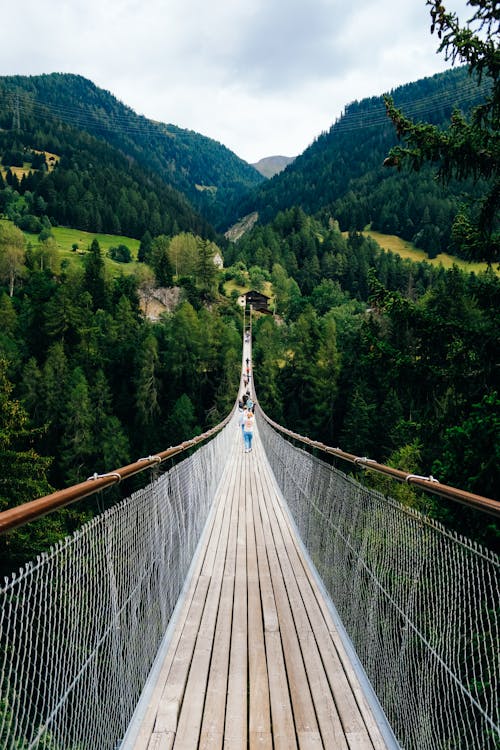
<point x="342" y="172"/>
<point x="206" y="172"/>
<point x="94" y="186"/>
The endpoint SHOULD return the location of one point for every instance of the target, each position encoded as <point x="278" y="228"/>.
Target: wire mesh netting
<point x="421" y="604"/>
<point x="81" y="626"/>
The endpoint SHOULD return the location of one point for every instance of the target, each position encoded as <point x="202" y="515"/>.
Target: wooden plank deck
<point x="255" y="660"/>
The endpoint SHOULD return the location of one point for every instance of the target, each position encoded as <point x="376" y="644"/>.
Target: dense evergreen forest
<point x="89" y="383"/>
<point x="382" y="356"/>
<point x="207" y="173"/>
<point x="84" y="183"/>
<point x="342" y="173"/>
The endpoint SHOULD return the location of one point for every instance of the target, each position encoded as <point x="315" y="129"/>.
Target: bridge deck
<point x="255" y="660"/>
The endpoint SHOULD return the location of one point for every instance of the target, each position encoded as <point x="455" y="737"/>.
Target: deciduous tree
<point x="12" y="254"/>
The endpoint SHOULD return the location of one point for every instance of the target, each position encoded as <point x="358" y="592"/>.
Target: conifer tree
<point x="145" y="248"/>
<point x="206" y="270"/>
<point x="23" y="473"/>
<point x="111" y="443"/>
<point x="23" y="477"/>
<point x="181" y="423"/>
<point x="94" y="276"/>
<point x="146" y="399"/>
<point x="77" y="444"/>
<point x="160" y="261"/>
<point x="470" y="147"/>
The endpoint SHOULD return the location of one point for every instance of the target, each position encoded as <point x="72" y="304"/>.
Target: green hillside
<point x="203" y="170"/>
<point x="405" y="249"/>
<point x="342" y="174"/>
<point x="350" y="356"/>
<point x="93" y="186"/>
<point x="66" y="240"/>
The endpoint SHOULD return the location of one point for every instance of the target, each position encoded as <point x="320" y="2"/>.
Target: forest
<point x="382" y="356"/>
<point x="342" y="173"/>
<point x="379" y="355"/>
<point x="58" y="109"/>
<point x="88" y="382"/>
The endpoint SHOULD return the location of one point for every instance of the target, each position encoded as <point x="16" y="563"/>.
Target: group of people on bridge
<point x="246" y="409"/>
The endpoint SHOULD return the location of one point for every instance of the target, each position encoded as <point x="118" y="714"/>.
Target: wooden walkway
<point x="255" y="660"/>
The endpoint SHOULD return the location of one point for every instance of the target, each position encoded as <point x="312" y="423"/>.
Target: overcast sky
<point x="263" y="77"/>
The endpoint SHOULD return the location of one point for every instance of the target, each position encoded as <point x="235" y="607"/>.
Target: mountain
<point x="95" y="186"/>
<point x="177" y="180"/>
<point x="271" y="165"/>
<point x="207" y="173"/>
<point x="342" y="172"/>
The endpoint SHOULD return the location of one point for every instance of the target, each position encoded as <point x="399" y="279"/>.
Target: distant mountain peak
<point x="271" y="165"/>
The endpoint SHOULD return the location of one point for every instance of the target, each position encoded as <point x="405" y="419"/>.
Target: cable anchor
<point x="95" y="476"/>
<point x="430" y="478"/>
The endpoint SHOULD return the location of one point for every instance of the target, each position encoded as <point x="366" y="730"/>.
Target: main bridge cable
<point x="429" y="484"/>
<point x="22" y="514"/>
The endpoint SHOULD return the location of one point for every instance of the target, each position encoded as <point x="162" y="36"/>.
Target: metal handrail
<point x="428" y="484"/>
<point x="30" y="511"/>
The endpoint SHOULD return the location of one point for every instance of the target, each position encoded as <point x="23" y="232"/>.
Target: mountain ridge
<point x="342" y="175"/>
<point x="183" y="158"/>
<point x="272" y="165"/>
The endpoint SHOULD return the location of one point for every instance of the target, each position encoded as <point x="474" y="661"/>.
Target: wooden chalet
<point x="259" y="301"/>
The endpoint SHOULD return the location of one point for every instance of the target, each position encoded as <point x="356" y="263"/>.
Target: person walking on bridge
<point x="248" y="425"/>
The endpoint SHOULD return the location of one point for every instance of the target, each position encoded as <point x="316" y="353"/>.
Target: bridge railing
<point x="81" y="625"/>
<point x="428" y="484"/>
<point x="420" y="603"/>
<point x="22" y="514"/>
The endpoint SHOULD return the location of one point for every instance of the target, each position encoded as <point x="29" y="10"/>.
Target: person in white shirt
<point x="248" y="424"/>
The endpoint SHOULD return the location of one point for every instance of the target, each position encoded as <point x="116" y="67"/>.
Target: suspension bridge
<point x="252" y="600"/>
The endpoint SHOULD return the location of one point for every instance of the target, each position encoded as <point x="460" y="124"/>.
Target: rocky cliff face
<point x="242" y="226"/>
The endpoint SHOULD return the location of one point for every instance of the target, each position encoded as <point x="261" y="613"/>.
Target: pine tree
<point x="206" y="270"/>
<point x="8" y="316"/>
<point x="94" y="276"/>
<point x="181" y="424"/>
<point x="111" y="444"/>
<point x="471" y="146"/>
<point x="23" y="477"/>
<point x="78" y="440"/>
<point x="23" y="473"/>
<point x="147" y="408"/>
<point x="53" y="389"/>
<point x="143" y="254"/>
<point x="160" y="261"/>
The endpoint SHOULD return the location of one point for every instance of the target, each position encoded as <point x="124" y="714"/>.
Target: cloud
<point x="261" y="76"/>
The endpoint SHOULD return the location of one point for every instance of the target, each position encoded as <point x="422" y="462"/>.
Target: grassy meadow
<point x="66" y="238"/>
<point x="407" y="250"/>
<point x="20" y="172"/>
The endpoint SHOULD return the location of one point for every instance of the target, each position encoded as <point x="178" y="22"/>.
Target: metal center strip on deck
<point x="255" y="660"/>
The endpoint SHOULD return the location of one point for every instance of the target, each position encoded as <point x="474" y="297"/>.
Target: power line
<point x="104" y="121"/>
<point x="426" y="106"/>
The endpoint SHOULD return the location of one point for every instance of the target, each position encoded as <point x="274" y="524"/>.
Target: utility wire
<point x="366" y="116"/>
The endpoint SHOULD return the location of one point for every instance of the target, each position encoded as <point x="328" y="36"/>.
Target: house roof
<point x="255" y="292"/>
